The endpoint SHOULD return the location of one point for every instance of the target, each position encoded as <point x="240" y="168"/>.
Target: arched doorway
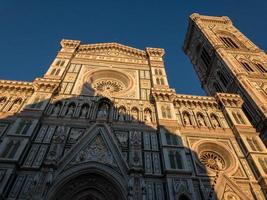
<point x="90" y="186"/>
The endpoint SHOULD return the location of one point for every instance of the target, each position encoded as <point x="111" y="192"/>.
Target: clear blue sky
<point x="31" y="30"/>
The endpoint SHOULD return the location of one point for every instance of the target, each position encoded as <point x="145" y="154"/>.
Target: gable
<point x="98" y="145"/>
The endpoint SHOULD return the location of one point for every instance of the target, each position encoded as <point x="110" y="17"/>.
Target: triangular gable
<point x="226" y="185"/>
<point x="112" y="49"/>
<point x="97" y="145"/>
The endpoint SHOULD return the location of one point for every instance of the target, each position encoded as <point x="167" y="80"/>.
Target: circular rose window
<point x="108" y="82"/>
<point x="215" y="156"/>
<point x="212" y="160"/>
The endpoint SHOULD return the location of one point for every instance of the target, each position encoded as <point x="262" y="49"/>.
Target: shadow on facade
<point x="97" y="148"/>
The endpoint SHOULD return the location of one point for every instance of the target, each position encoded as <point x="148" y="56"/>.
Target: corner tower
<point x="225" y="60"/>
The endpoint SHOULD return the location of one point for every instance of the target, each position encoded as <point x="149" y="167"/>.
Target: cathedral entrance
<point x="89" y="187"/>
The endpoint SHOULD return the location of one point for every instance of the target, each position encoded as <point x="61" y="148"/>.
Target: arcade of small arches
<point x="10" y="104"/>
<point x="102" y="109"/>
<point x="189" y="118"/>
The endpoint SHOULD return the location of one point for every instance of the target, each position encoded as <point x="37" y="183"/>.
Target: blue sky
<point x="31" y="30"/>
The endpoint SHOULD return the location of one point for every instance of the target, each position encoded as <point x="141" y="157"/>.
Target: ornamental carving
<point x="97" y="151"/>
<point x="212" y="160"/>
<point x="108" y="82"/>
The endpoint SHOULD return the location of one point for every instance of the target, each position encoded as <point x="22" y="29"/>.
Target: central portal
<point x="89" y="187"/>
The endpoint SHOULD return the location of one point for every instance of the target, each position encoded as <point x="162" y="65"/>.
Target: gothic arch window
<point x="222" y="78"/>
<point x="53" y="71"/>
<point x="229" y="42"/>
<point x="57" y="72"/>
<point x="162" y="81"/>
<point x="58" y="63"/>
<point x="62" y="63"/>
<point x="215" y="120"/>
<point x="261" y="68"/>
<point x="160" y="72"/>
<point x="247" y="67"/>
<point x="147" y="115"/>
<point x="217" y="87"/>
<point x="156" y="72"/>
<point x="158" y="81"/>
<point x="186" y="118"/>
<point x="206" y="58"/>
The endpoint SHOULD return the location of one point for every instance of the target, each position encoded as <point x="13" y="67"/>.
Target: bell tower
<point x="225" y="60"/>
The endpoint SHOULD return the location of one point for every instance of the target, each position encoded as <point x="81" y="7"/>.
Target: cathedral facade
<point x="103" y="123"/>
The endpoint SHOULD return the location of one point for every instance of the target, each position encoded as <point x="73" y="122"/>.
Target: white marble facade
<point x="103" y="123"/>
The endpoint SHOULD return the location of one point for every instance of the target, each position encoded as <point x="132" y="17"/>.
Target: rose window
<point x="108" y="86"/>
<point x="212" y="160"/>
<point x="108" y="82"/>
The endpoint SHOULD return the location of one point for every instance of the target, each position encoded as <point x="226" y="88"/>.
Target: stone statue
<point x="187" y="120"/>
<point x="84" y="111"/>
<point x="56" y="110"/>
<point x="70" y="111"/>
<point x="200" y="120"/>
<point x="148" y="117"/>
<point x="103" y="111"/>
<point x="215" y="121"/>
<point x="15" y="106"/>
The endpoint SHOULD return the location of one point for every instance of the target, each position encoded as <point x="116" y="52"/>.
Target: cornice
<point x="16" y="86"/>
<point x="102" y="47"/>
<point x="229" y="100"/>
<point x="211" y="19"/>
<point x="46" y="85"/>
<point x="195" y="101"/>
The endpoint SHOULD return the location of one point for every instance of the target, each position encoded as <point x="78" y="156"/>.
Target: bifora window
<point x="229" y="42"/>
<point x="247" y="66"/>
<point x="261" y="68"/>
<point x="205" y="58"/>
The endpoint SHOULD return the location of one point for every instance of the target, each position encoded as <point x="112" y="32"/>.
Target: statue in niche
<point x="186" y="118"/>
<point x="56" y="110"/>
<point x="148" y="116"/>
<point x="2" y="101"/>
<point x="15" y="105"/>
<point x="215" y="121"/>
<point x="200" y="120"/>
<point x="71" y="111"/>
<point x="84" y="111"/>
<point x="102" y="111"/>
<point x="121" y="114"/>
<point x="134" y="114"/>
